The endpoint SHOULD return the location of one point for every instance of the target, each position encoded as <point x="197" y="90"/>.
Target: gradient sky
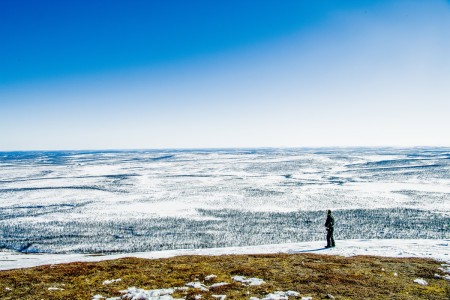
<point x="194" y="74"/>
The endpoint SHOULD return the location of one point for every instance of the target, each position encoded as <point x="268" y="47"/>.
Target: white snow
<point x="134" y="293"/>
<point x="420" y="281"/>
<point x="276" y="296"/>
<point x="197" y="285"/>
<point x="55" y="289"/>
<point x="210" y="277"/>
<point x="203" y="287"/>
<point x="248" y="281"/>
<point x="111" y="281"/>
<point x="158" y="186"/>
<point x="428" y="248"/>
<point x="279" y="295"/>
<point x="446" y="270"/>
<point x="446" y="277"/>
<point x="218" y="284"/>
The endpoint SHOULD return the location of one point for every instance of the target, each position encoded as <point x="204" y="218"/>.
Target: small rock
<point x="329" y="296"/>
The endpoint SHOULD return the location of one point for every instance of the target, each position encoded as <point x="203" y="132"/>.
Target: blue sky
<point x="192" y="74"/>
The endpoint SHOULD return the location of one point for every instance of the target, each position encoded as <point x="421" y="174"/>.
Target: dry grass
<point x="313" y="275"/>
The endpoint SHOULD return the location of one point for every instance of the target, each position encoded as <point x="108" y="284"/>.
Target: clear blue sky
<point x="189" y="74"/>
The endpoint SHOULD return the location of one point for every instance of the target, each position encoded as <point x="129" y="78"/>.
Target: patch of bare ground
<point x="360" y="277"/>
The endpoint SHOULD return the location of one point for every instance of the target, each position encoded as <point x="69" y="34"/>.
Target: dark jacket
<point x="329" y="223"/>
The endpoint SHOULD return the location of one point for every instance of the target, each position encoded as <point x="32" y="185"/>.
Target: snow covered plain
<point x="78" y="203"/>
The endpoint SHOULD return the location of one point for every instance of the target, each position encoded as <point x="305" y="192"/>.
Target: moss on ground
<point x="360" y="277"/>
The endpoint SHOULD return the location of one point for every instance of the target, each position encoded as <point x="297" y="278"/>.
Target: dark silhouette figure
<point x="329" y="224"/>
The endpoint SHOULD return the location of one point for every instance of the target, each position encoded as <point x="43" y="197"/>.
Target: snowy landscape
<point x="62" y="207"/>
<point x="154" y="150"/>
<point x="139" y="201"/>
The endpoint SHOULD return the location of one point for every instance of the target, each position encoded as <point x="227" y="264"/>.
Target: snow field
<point x="134" y="201"/>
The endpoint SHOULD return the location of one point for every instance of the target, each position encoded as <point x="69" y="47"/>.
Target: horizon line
<point x="229" y="148"/>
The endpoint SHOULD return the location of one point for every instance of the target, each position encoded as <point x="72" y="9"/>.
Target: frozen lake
<point x="130" y="201"/>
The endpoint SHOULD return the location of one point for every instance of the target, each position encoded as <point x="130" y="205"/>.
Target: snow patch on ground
<point x="111" y="281"/>
<point x="248" y="281"/>
<point x="218" y="284"/>
<point x="436" y="249"/>
<point x="446" y="277"/>
<point x="197" y="285"/>
<point x="446" y="270"/>
<point x="420" y="281"/>
<point x="210" y="277"/>
<point x="133" y="293"/>
<point x="278" y="295"/>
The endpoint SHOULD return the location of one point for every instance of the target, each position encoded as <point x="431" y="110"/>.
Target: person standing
<point x="329" y="224"/>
